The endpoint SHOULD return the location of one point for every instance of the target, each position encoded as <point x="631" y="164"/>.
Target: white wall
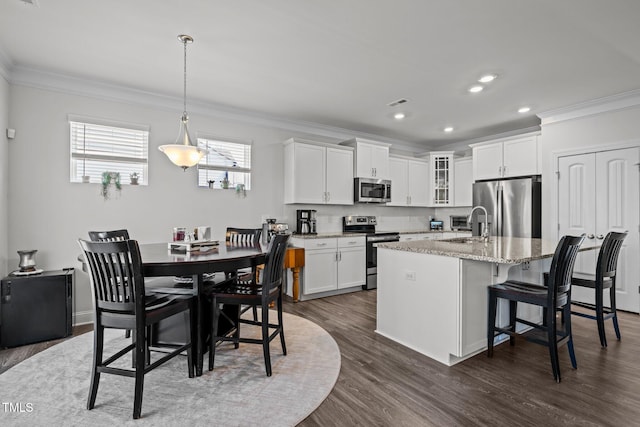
<point x="48" y="213"/>
<point x="585" y="133"/>
<point x="4" y="172"/>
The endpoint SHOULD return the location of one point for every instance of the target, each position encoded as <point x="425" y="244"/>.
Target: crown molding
<point x="46" y="80"/>
<point x="464" y="145"/>
<point x="621" y="101"/>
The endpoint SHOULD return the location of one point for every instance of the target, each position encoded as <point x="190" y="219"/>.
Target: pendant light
<point x="183" y="153"/>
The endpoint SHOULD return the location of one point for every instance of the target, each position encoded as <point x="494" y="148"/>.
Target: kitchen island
<point x="432" y="294"/>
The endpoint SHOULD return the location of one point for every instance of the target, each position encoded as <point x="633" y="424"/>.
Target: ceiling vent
<point x="33" y="3"/>
<point x="397" y="102"/>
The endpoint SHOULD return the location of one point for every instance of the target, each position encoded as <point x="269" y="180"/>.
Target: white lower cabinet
<point x="420" y="236"/>
<point x="332" y="265"/>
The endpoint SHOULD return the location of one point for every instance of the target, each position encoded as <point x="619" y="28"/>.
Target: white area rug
<point x="51" y="388"/>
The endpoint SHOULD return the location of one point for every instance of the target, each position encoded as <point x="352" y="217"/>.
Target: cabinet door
<point x="399" y="184"/>
<point x="520" y="157"/>
<point x="364" y="161"/>
<point x="309" y="173"/>
<point x="372" y="161"/>
<point x="320" y="271"/>
<point x="418" y="183"/>
<point x="487" y="161"/>
<point x="463" y="183"/>
<point x="351" y="267"/>
<point x="441" y="180"/>
<point x="380" y="161"/>
<point x="339" y="176"/>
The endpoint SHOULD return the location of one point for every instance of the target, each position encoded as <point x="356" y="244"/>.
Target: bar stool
<point x="553" y="298"/>
<point x="604" y="278"/>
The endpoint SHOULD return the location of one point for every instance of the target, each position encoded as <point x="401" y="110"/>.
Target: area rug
<point x="51" y="387"/>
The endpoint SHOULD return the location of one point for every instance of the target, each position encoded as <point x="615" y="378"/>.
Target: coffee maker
<point x="306" y="221"/>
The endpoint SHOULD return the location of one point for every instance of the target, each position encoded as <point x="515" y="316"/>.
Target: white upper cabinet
<point x="317" y="173"/>
<point x="399" y="182"/>
<point x="371" y="158"/>
<point x="463" y="183"/>
<point x="506" y="158"/>
<point x="441" y="180"/>
<point x="339" y="176"/>
<point x="409" y="179"/>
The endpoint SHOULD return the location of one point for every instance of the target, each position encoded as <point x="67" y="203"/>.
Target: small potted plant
<point x="133" y="177"/>
<point x="225" y="181"/>
<point x="108" y="179"/>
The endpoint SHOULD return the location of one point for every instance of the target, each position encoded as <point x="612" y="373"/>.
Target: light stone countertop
<point x="502" y="250"/>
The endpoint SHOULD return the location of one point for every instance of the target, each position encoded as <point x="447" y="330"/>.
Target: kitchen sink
<point x="473" y="239"/>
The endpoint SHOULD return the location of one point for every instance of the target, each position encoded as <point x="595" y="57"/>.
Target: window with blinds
<point x="98" y="148"/>
<point x="227" y="164"/>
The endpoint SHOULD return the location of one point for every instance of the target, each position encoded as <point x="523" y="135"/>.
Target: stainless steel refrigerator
<point x="513" y="207"/>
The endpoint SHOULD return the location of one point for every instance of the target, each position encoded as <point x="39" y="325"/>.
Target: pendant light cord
<point x="185" y="76"/>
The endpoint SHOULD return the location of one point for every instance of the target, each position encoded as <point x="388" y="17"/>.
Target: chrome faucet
<point x="485" y="230"/>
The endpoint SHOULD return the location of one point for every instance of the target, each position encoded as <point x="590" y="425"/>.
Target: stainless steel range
<point x="367" y="224"/>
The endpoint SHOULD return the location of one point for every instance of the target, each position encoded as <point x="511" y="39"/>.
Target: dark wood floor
<point x="382" y="383"/>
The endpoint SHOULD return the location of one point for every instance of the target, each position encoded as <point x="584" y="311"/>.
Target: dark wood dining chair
<point x="604" y="278"/>
<point x="554" y="298"/>
<point x="120" y="302"/>
<point x="253" y="294"/>
<point x="243" y="237"/>
<point x="109" y="236"/>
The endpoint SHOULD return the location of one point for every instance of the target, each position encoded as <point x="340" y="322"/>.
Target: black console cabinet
<point x="35" y="308"/>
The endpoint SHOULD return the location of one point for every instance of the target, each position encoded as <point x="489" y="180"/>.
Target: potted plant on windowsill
<point x="133" y="177"/>
<point x="109" y="179"/>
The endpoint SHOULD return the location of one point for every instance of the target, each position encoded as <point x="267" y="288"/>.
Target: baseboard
<point x="82" y="317"/>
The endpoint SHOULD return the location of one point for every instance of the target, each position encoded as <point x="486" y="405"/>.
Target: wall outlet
<point x="410" y="275"/>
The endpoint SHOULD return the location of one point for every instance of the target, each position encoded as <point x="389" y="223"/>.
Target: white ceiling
<point x="339" y="63"/>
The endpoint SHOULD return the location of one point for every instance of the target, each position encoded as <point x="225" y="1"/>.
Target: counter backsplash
<point x="329" y="218"/>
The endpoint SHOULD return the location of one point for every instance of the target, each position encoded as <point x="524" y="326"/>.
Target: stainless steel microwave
<point x="370" y="190"/>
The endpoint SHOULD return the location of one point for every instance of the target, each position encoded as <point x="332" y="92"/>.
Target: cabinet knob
<point x="590" y="236"/>
<point x="599" y="237"/>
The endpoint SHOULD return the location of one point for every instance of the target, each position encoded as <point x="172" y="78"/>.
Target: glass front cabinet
<point x="441" y="178"/>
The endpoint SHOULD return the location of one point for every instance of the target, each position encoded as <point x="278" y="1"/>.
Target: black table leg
<point x="197" y="346"/>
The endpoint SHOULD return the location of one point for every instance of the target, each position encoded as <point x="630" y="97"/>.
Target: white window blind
<point x="225" y="159"/>
<point x="98" y="148"/>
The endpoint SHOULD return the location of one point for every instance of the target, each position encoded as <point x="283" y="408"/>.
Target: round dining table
<point x="158" y="260"/>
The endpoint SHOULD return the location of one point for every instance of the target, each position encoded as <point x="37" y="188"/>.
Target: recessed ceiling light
<point x="487" y="78"/>
<point x="524" y="109"/>
<point x="399" y="116"/>
<point x="448" y="129"/>
<point x="476" y="89"/>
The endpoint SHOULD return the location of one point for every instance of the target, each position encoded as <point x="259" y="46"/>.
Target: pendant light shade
<point x="183" y="153"/>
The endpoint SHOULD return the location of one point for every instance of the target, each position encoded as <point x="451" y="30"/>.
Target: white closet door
<point x="617" y="209"/>
<point x="598" y="193"/>
<point x="576" y="204"/>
